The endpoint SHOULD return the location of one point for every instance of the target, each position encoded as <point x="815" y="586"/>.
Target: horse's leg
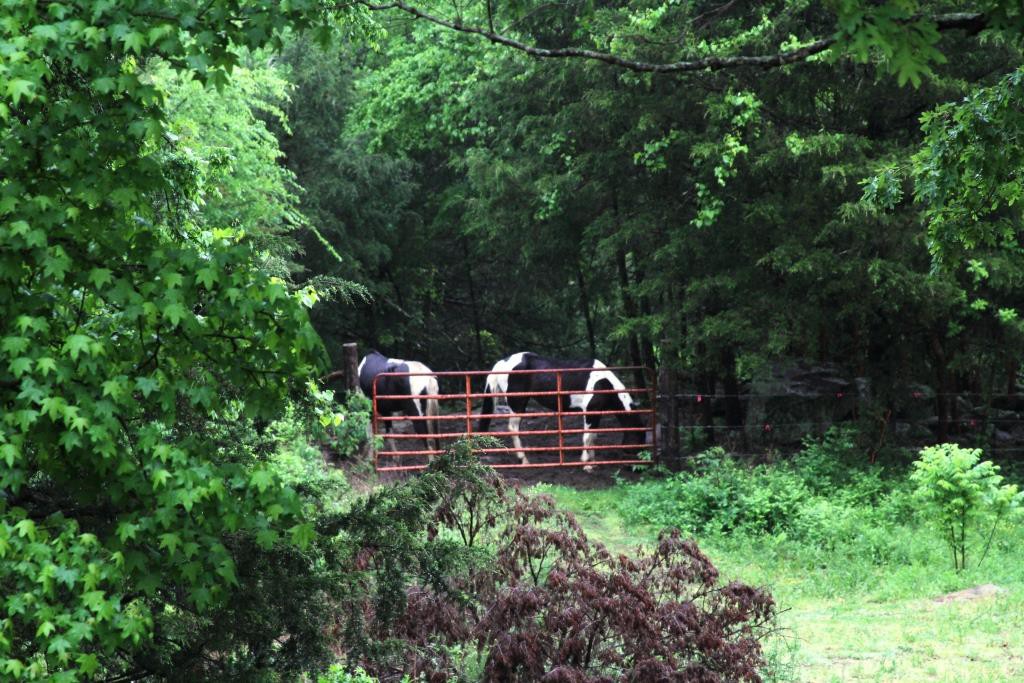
<point x="513" y="426"/>
<point x="433" y="428"/>
<point x="589" y="422"/>
<point x="517" y="404"/>
<point x="426" y="407"/>
<point x="414" y="407"/>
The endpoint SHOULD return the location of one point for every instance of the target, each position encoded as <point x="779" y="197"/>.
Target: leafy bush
<point x="337" y="674"/>
<point x="826" y="498"/>
<point x="506" y="587"/>
<point x="270" y="626"/>
<point x="853" y="529"/>
<point x="347" y="436"/>
<point x="724" y="497"/>
<point x="830" y="462"/>
<point x="964" y="493"/>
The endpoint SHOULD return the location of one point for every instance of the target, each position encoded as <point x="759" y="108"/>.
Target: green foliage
<point x="337" y="674"/>
<point x="965" y="495"/>
<point x="736" y="112"/>
<point x="138" y="332"/>
<point x="583" y="184"/>
<point x="289" y="579"/>
<point x="823" y="498"/>
<point x="155" y="357"/>
<point x="357" y="200"/>
<point x="391" y="542"/>
<point x="966" y="174"/>
<point x="825" y="504"/>
<point x="894" y="33"/>
<point x="221" y="136"/>
<point x="843" y="604"/>
<point x="347" y="430"/>
<point x="835" y="462"/>
<point x="299" y="463"/>
<point x="722" y="496"/>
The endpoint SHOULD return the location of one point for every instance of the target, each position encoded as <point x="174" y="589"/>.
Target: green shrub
<point x="724" y="497"/>
<point x="827" y="498"/>
<point x="771" y="504"/>
<point x="826" y="524"/>
<point x="346" y="435"/>
<point x="300" y="464"/>
<point x="829" y="462"/>
<point x="965" y="495"/>
<point x="854" y="530"/>
<point x="338" y="674"/>
<point x="280" y="587"/>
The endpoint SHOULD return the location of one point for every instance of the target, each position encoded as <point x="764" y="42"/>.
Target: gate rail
<point x="465" y="417"/>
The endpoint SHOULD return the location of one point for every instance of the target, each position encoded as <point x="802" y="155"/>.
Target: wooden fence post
<point x="351" y="361"/>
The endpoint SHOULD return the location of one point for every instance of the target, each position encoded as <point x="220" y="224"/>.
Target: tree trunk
<point x="646" y="345"/>
<point x="351" y="374"/>
<point x="585" y="305"/>
<point x="668" y="409"/>
<point x="942" y="385"/>
<point x="706" y="389"/>
<point x="731" y="388"/>
<point x="629" y="306"/>
<point x="473" y="302"/>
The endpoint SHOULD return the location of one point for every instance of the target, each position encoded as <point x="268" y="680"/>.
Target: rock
<point x="794" y="399"/>
<point x="976" y="593"/>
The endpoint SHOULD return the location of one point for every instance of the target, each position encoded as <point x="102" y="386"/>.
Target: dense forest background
<point x="740" y="227"/>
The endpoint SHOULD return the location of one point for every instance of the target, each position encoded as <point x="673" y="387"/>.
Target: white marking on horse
<point x="423" y="383"/>
<point x="580" y="398"/>
<point x="498" y="381"/>
<point x="582" y="401"/>
<point x="419" y="384"/>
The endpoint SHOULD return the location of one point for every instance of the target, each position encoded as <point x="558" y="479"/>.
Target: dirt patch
<point x="987" y="590"/>
<point x="575" y="477"/>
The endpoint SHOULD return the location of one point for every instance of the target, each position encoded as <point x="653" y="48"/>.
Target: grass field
<point x="846" y="618"/>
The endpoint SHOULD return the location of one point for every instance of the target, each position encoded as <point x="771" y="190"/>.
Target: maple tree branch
<point x="970" y="21"/>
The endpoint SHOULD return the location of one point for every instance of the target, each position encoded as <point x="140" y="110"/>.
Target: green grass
<point x="848" y="618"/>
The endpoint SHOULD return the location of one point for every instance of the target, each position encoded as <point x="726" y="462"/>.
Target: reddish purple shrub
<point x="538" y="601"/>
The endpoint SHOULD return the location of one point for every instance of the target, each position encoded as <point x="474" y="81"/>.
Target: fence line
<point x="698" y="397"/>
<point x="696" y="420"/>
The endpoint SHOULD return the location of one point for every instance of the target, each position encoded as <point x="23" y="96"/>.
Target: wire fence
<point x="750" y="421"/>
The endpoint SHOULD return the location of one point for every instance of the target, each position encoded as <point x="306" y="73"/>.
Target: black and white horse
<point x="579" y="383"/>
<point x="412" y="386"/>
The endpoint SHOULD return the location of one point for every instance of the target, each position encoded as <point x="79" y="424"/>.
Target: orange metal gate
<point x="455" y="419"/>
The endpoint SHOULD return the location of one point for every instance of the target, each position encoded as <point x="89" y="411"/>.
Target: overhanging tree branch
<point x="969" y="21"/>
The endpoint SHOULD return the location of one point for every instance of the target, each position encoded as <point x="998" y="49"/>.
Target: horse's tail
<point x="490" y="387"/>
<point x="432" y="411"/>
